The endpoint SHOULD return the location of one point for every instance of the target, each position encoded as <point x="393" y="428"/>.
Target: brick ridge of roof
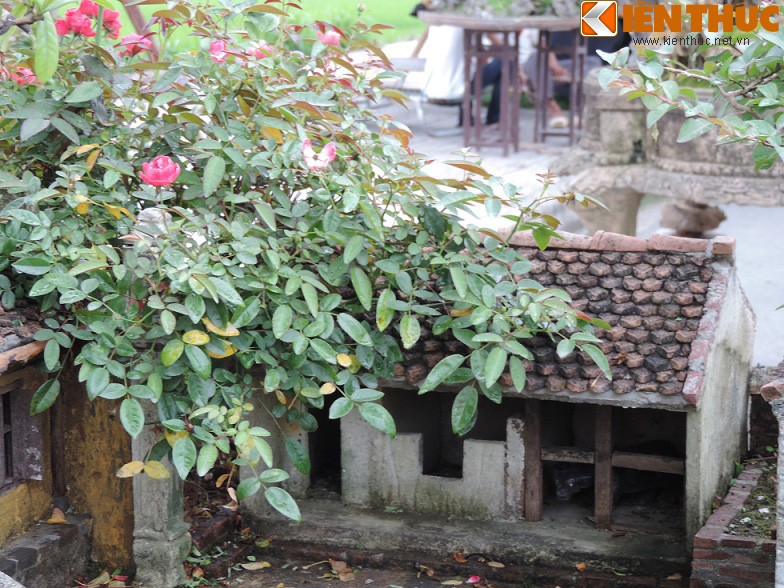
<point x="607" y="241"/>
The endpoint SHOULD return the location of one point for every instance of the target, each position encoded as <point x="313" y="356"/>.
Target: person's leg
<point x="491" y="76"/>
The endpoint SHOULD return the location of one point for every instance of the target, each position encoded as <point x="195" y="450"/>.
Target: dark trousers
<point x="491" y="76"/>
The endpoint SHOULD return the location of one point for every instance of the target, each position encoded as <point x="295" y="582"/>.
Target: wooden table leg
<point x="468" y="56"/>
<point x="603" y="467"/>
<point x="532" y="469"/>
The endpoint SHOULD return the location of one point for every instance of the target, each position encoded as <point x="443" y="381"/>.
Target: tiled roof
<point x="654" y="293"/>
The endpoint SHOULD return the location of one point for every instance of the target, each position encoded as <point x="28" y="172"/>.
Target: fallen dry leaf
<point x="346" y="576"/>
<point x="459" y="557"/>
<point x="197" y="573"/>
<point x="58" y="518"/>
<point x="581" y="566"/>
<point x="496" y="564"/>
<point x="338" y="566"/>
<point x="675" y="576"/>
<point x="255" y="565"/>
<point x="452" y="583"/>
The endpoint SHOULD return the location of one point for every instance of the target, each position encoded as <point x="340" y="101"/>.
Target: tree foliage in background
<point x="237" y="221"/>
<point x="746" y="79"/>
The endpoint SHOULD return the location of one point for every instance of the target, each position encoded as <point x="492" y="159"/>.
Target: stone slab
<point x="6" y="582"/>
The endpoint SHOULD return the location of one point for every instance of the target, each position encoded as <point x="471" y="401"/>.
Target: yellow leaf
<point x="172" y="438"/>
<point x="82" y="207"/>
<point x="272" y="133"/>
<point x="92" y="158"/>
<point x="227" y="351"/>
<point x="57" y="518"/>
<point x="344" y="360"/>
<point x="255" y="565"/>
<point x="327" y="388"/>
<point x="130" y="469"/>
<point x="281" y="396"/>
<point x="114" y="211"/>
<point x="221" y="479"/>
<point x="355" y="365"/>
<point x="196" y="337"/>
<point x="464" y="312"/>
<point x="156" y="469"/>
<point x="85" y="148"/>
<point x="229" y="331"/>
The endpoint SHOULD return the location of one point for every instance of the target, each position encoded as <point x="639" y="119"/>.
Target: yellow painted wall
<point x="96" y="446"/>
<point x="22" y="505"/>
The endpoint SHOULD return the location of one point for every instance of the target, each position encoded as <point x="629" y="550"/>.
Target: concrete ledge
<point x="7" y="582"/>
<point x="49" y="556"/>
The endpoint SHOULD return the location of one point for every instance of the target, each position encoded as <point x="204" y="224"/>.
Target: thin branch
<point x="23" y="23"/>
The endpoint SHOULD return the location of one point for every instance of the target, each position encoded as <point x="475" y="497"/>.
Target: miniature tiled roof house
<point x="680" y="346"/>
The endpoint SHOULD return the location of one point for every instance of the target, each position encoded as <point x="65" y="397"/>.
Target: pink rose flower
<point x="134" y="44"/>
<point x="75" y="22"/>
<point x="218" y="51"/>
<point x="88" y="8"/>
<point x="161" y="171"/>
<point x="259" y="50"/>
<point x="112" y="23"/>
<point x="24" y="76"/>
<point x="329" y="38"/>
<point x="473" y="580"/>
<point x="323" y="159"/>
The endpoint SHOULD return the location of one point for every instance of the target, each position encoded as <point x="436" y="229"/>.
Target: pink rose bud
<point x="134" y="44"/>
<point x="161" y="171"/>
<point x="112" y="23"/>
<point x="329" y="38"/>
<point x="323" y="159"/>
<point x="88" y="8"/>
<point x="218" y="51"/>
<point x="74" y="22"/>
<point x="259" y="50"/>
<point x="24" y="76"/>
<point x="473" y="580"/>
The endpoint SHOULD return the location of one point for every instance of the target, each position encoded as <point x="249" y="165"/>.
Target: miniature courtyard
<point x="262" y="325"/>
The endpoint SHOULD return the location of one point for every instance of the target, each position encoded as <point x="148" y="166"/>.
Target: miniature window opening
<point x="324" y="449"/>
<point x="6" y="440"/>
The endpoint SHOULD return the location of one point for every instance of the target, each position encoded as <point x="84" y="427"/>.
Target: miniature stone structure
<point x="774" y="394"/>
<point x="618" y="161"/>
<point x="679" y="345"/>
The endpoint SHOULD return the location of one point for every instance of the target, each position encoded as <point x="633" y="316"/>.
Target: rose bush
<point x="236" y="221"/>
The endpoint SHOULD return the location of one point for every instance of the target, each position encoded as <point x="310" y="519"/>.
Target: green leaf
<point x="440" y="372"/>
<point x="464" y="410"/>
<point x="97" y="382"/>
<point x="84" y="92"/>
<point x="195" y="307"/>
<point x="87" y="266"/>
<point x="517" y="371"/>
<point x="168" y="322"/>
<point x="409" y="331"/>
<point x="200" y="361"/>
<point x="496" y="362"/>
<point x="172" y="352"/>
<point x="282" y="501"/>
<point x="32" y="126"/>
<point x="311" y="298"/>
<point x="44" y="397"/>
<point x="354" y="329"/>
<point x="208" y="455"/>
<point x="34" y="266"/>
<point x="248" y="487"/>
<point x="298" y="455"/>
<point x="47" y="48"/>
<point x="246" y="313"/>
<point x="565" y="347"/>
<point x="273" y="475"/>
<point x="227" y="292"/>
<point x="265" y="213"/>
<point x="379" y="417"/>
<point x="353" y="248"/>
<point x="340" y="408"/>
<point x="132" y="416"/>
<point x="599" y="359"/>
<point x="459" y="280"/>
<point x="51" y="354"/>
<point x="213" y="175"/>
<point x="362" y="287"/>
<point x="385" y="309"/>
<point x="184" y="456"/>
<point x="693" y="128"/>
<point x="281" y="320"/>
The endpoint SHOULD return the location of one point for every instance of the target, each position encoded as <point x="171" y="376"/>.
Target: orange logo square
<point x="599" y="18"/>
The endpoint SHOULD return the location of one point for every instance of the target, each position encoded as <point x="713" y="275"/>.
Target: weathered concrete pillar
<point x="774" y="394"/>
<point x="161" y="541"/>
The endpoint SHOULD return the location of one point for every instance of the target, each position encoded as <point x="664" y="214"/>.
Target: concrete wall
<point x="379" y="471"/>
<point x="716" y="432"/>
